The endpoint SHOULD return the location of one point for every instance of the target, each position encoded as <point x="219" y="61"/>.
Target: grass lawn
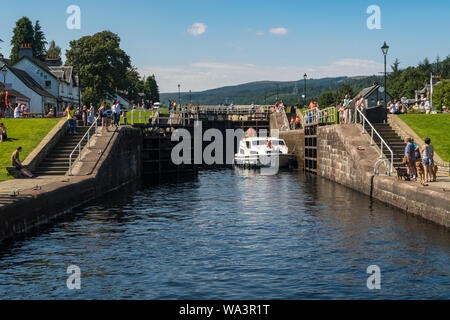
<point x="27" y="133"/>
<point x="433" y="126"/>
<point x="146" y="114"/>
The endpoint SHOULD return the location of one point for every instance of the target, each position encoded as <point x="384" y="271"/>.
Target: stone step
<point x="50" y="173"/>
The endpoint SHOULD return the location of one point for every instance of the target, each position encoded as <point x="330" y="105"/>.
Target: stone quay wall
<point x="117" y="164"/>
<point x="345" y="156"/>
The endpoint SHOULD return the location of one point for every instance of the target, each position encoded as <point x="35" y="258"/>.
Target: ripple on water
<point x="231" y="235"/>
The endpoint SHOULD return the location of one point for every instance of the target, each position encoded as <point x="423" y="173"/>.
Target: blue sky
<point x="321" y="38"/>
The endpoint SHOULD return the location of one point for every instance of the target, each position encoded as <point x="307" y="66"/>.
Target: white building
<point x="57" y="80"/>
<point x="21" y="81"/>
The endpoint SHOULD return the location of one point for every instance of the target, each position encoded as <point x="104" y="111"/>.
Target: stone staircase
<point x="57" y="161"/>
<point x="393" y="140"/>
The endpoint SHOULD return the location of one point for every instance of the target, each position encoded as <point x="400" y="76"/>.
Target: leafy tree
<point x="445" y="68"/>
<point x="22" y="33"/>
<point x="54" y="51"/>
<point x="151" y="89"/>
<point x="344" y="89"/>
<point x="425" y="67"/>
<point x="395" y="68"/>
<point x="441" y="94"/>
<point x="135" y="85"/>
<point x="102" y="64"/>
<point x="437" y="66"/>
<point x="326" y="99"/>
<point x="39" y="42"/>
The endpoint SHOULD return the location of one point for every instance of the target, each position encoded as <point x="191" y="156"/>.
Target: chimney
<point x="25" y="50"/>
<point x="53" y="61"/>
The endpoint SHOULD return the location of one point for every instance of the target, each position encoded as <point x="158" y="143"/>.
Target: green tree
<point x="326" y="99"/>
<point x="151" y="89"/>
<point x="441" y="94"/>
<point x="39" y="42"/>
<point x="135" y="85"/>
<point x="103" y="65"/>
<point x="344" y="89"/>
<point x="395" y="68"/>
<point x="22" y="33"/>
<point x="54" y="51"/>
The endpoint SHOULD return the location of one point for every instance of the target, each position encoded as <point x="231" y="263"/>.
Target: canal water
<point x="230" y="234"/>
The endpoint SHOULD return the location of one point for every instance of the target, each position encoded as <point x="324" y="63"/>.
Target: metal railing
<point x="316" y="116"/>
<point x="78" y="146"/>
<point x="185" y="117"/>
<point x="373" y="132"/>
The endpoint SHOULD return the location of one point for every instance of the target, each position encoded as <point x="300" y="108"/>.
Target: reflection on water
<point x="231" y="235"/>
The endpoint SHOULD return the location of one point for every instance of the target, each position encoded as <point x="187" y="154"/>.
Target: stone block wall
<point x="345" y="156"/>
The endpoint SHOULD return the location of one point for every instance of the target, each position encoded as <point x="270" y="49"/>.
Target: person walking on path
<point x="427" y="160"/>
<point x="72" y="124"/>
<point x="15" y="162"/>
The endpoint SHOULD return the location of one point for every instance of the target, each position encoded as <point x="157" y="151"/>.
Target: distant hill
<point x="265" y="92"/>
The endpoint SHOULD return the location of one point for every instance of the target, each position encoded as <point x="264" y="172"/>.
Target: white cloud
<point x="197" y="29"/>
<point x="278" y="31"/>
<point x="205" y="75"/>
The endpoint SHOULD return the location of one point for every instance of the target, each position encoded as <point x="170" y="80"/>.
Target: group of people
<point x="279" y="106"/>
<point x="420" y="161"/>
<point x="348" y="107"/>
<point x="396" y="107"/>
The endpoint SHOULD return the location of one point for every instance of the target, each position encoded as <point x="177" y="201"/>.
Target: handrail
<point x="382" y="142"/>
<point x="316" y="116"/>
<point x="78" y="146"/>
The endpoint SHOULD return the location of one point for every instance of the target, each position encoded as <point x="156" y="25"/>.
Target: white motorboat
<point x="262" y="152"/>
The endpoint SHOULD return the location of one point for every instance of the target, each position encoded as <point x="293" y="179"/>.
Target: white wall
<point x="35" y="99"/>
<point x="39" y="75"/>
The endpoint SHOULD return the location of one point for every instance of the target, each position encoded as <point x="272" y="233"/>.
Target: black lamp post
<point x="385" y="49"/>
<point x="304" y="92"/>
<point x="179" y="95"/>
<point x="78" y="50"/>
<point x="190" y="96"/>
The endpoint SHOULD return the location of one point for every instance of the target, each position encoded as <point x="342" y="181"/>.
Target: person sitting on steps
<point x="15" y="161"/>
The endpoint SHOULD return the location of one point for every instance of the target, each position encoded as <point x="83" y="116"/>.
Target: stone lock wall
<point x="345" y="156"/>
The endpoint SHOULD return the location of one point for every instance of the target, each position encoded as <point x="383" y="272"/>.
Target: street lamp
<point x="190" y="96"/>
<point x="78" y="50"/>
<point x="304" y="91"/>
<point x="385" y="50"/>
<point x="179" y="95"/>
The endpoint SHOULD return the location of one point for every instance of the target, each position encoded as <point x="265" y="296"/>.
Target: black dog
<point x="402" y="173"/>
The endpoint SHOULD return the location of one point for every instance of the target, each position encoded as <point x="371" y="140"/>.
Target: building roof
<point x="38" y="63"/>
<point x="14" y="93"/>
<point x="62" y="72"/>
<point x="30" y="82"/>
<point x="366" y="92"/>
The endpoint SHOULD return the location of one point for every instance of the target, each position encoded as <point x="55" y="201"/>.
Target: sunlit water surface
<point x="231" y="235"/>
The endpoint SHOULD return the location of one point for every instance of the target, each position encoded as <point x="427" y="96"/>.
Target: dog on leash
<point x="420" y="170"/>
<point x="402" y="173"/>
<point x="434" y="170"/>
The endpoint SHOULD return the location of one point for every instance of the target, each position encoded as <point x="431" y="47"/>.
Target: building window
<point x="48" y="84"/>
